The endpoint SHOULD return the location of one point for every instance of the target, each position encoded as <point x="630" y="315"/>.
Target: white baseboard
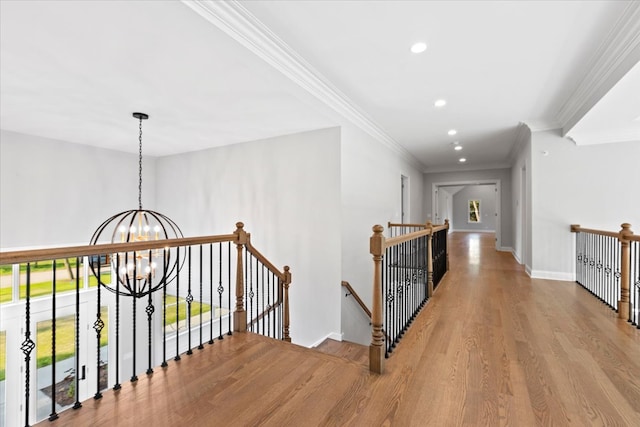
<point x="333" y="336"/>
<point x="527" y="270"/>
<point x="506" y="249"/>
<point x="517" y="258"/>
<point x="552" y="275"/>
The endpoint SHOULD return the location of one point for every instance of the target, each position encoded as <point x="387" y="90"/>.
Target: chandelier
<point x="137" y="273"/>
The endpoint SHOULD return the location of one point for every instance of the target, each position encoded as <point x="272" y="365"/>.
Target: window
<point x="474" y="211"/>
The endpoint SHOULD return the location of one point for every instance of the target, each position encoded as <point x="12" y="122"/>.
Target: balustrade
<point x="46" y="317"/>
<point x="407" y="269"/>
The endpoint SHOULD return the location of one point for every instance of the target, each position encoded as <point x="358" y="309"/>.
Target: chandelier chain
<point x="140" y="166"/>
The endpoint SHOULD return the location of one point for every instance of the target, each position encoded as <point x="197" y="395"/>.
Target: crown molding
<point x="241" y="25"/>
<point x="522" y="134"/>
<point x="619" y="52"/>
<point x="542" y="125"/>
<point x="605" y="136"/>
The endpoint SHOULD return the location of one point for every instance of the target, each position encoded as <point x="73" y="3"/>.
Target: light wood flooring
<point x="491" y="348"/>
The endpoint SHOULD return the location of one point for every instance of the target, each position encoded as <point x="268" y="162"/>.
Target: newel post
<point x="446" y="222"/>
<point x="240" y="315"/>
<point x="429" y="227"/>
<point x="625" y="271"/>
<point x="376" y="349"/>
<point x="285" y="285"/>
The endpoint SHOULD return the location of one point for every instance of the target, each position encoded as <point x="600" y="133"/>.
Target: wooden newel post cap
<point x="240" y="225"/>
<point x="575" y="228"/>
<point x="626" y="229"/>
<point x="376" y="242"/>
<point x="287" y="275"/>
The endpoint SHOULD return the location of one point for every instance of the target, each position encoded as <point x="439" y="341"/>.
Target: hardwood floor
<point x="491" y="348"/>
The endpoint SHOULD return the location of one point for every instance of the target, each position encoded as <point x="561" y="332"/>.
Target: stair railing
<point x="193" y="310"/>
<point x="406" y="270"/>
<point x="608" y="266"/>
<point x="356" y="297"/>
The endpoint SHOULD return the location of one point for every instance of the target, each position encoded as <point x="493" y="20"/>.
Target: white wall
<point x="504" y="175"/>
<point x="487" y="195"/>
<point x="56" y="193"/>
<point x="596" y="186"/>
<point x="521" y="201"/>
<point x="287" y="192"/>
<point x="371" y="194"/>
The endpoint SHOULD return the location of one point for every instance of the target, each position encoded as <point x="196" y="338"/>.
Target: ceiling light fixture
<point x="452" y="132"/>
<point x="458" y="147"/>
<point x="462" y="160"/>
<point x="418" y="47"/>
<point x="440" y="103"/>
<point x="138" y="273"/>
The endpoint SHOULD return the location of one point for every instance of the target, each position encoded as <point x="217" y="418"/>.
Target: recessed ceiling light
<point x="440" y="103"/>
<point x="452" y="132"/>
<point x="458" y="147"/>
<point x="462" y="160"/>
<point x="418" y="47"/>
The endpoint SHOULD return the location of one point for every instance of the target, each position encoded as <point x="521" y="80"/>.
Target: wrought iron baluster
<point x="27" y="346"/>
<point x="269" y="294"/>
<point x="229" y="287"/>
<point x="264" y="311"/>
<point x="77" y="404"/>
<point x="150" y="309"/>
<point x="98" y="325"/>
<point x="177" y="356"/>
<point x="134" y="376"/>
<point x="189" y="301"/>
<point x="117" y="386"/>
<point x="617" y="275"/>
<point x="212" y="308"/>
<point x="164" y="310"/>
<point x="200" y="347"/>
<point x="220" y="289"/>
<point x="53" y="415"/>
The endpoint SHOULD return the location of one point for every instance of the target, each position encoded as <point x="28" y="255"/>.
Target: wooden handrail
<point x="264" y="313"/>
<point x="357" y="298"/>
<point x="577" y="229"/>
<point x="429" y="230"/>
<point x="256" y="253"/>
<point x="393" y="241"/>
<point x="31" y="255"/>
<point x="391" y="224"/>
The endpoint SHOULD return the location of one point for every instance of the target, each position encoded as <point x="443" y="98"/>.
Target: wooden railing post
<point x="446" y="222"/>
<point x="625" y="272"/>
<point x="240" y="315"/>
<point x="285" y="285"/>
<point x="429" y="227"/>
<point x="376" y="349"/>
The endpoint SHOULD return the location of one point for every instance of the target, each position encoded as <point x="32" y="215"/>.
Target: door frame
<point x="496" y="182"/>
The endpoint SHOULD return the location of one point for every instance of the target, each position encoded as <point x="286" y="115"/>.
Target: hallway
<point x="501" y="348"/>
<point x="492" y="347"/>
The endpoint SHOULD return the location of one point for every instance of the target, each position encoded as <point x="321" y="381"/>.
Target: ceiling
<point x="218" y="73"/>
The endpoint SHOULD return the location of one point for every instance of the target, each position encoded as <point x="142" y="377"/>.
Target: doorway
<point x="440" y="205"/>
